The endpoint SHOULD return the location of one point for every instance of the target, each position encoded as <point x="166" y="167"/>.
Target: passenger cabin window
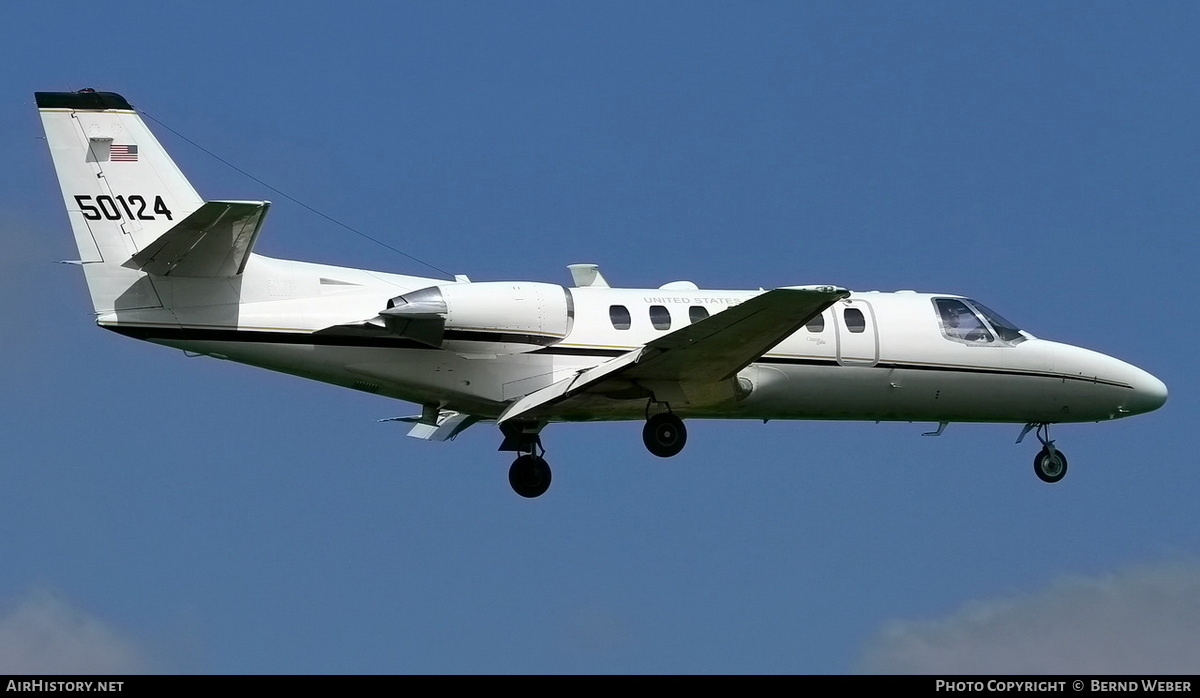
<point x="696" y="313"/>
<point x="619" y="315"/>
<point x="660" y="317"/>
<point x="961" y="323"/>
<point x="816" y="325"/>
<point x="855" y="321"/>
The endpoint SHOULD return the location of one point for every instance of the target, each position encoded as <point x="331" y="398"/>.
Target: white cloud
<point x="1144" y="620"/>
<point x="45" y="635"/>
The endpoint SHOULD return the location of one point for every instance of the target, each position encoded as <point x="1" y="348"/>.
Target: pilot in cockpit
<point x="961" y="323"/>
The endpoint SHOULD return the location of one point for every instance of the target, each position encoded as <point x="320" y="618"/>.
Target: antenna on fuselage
<point x="587" y="276"/>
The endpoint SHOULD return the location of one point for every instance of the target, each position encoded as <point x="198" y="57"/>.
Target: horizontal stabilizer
<point x="214" y="241"/>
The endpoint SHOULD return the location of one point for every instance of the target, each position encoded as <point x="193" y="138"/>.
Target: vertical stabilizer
<point x="121" y="189"/>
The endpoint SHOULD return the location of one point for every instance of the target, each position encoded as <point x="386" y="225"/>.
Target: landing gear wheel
<point x="1050" y="467"/>
<point x="664" y="435"/>
<point x="529" y="476"/>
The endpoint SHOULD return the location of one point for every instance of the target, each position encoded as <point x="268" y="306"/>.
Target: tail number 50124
<point x="114" y="208"/>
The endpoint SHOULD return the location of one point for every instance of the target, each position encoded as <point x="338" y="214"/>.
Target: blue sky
<point x="167" y="514"/>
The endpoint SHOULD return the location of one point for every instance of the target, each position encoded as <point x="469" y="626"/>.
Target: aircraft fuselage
<point x="893" y="360"/>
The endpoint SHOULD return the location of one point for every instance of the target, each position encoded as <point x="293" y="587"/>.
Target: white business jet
<point x="166" y="266"/>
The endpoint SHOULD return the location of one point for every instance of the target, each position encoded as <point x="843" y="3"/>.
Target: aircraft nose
<point x="1149" y="393"/>
<point x="1124" y="389"/>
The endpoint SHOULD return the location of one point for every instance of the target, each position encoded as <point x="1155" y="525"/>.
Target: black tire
<point x="529" y="476"/>
<point x="1050" y="468"/>
<point x="664" y="435"/>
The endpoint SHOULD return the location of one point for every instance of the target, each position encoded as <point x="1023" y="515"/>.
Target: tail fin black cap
<point x="83" y="99"/>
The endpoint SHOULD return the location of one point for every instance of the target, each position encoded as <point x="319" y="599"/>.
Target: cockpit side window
<point x="961" y="323"/>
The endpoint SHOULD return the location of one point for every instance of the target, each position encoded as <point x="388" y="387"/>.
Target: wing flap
<point x="447" y="425"/>
<point x="214" y="241"/>
<point x="703" y="354"/>
<point x="533" y="404"/>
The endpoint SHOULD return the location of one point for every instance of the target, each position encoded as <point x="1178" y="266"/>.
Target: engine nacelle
<point x="493" y="317"/>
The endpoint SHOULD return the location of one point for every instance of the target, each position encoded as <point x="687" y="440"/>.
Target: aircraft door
<point x="858" y="340"/>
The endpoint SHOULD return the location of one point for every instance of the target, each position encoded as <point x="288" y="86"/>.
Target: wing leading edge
<point x="690" y="361"/>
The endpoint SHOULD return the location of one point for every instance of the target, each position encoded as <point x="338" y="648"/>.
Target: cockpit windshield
<point x="1007" y="331"/>
<point x="971" y="323"/>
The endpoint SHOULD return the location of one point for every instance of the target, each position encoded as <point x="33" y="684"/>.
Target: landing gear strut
<point x="1049" y="464"/>
<point x="664" y="434"/>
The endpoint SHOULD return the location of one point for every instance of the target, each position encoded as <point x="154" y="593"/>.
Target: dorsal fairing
<point x="495" y="317"/>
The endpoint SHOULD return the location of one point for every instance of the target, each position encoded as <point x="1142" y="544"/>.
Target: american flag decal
<point x="122" y="153"/>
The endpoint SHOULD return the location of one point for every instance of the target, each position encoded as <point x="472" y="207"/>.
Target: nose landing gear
<point x="1049" y="464"/>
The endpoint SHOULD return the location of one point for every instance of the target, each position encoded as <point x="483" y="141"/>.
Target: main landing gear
<point x="529" y="475"/>
<point x="664" y="435"/>
<point x="1049" y="464"/>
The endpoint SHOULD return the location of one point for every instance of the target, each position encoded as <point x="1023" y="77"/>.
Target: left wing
<point x="689" y="360"/>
